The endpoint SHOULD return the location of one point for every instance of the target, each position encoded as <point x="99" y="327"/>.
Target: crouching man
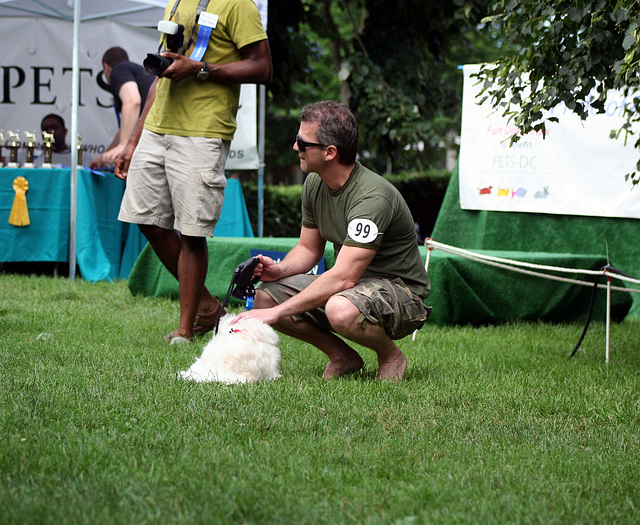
<point x="375" y="292"/>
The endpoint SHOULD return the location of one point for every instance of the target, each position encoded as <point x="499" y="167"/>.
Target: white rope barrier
<point x="512" y="265"/>
<point x="430" y="243"/>
<point x="521" y="267"/>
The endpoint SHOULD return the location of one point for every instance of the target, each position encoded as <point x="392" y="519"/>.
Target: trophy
<point x="79" y="150"/>
<point x="31" y="143"/>
<point x="1" y="144"/>
<point x="47" y="139"/>
<point x="13" y="149"/>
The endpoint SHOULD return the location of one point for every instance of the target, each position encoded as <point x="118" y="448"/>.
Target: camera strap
<point x="203" y="33"/>
<point x="202" y="6"/>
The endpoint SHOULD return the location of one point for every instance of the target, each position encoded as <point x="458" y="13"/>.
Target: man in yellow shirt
<point x="174" y="161"/>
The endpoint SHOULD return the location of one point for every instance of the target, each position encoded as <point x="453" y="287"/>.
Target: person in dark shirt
<point x="130" y="85"/>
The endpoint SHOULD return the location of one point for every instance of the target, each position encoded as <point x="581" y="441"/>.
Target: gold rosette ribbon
<point x="19" y="212"/>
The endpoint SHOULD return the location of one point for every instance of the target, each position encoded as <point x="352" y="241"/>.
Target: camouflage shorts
<point x="386" y="302"/>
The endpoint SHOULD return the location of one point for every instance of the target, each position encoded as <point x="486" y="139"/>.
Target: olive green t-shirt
<point x="368" y="212"/>
<point x="204" y="108"/>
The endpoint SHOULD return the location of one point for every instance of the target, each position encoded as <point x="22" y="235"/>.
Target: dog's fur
<point x="245" y="352"/>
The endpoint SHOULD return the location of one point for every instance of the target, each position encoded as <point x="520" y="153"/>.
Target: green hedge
<point x="423" y="192"/>
<point x="282" y="209"/>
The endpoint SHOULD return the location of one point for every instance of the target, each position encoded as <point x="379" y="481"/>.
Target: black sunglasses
<point x="303" y="144"/>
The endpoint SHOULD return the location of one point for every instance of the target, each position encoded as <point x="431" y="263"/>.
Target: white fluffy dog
<point x="245" y="352"/>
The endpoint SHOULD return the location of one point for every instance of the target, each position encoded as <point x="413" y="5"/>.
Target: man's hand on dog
<point x="266" y="315"/>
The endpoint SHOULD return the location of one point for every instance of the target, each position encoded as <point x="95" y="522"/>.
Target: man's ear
<point x="330" y="152"/>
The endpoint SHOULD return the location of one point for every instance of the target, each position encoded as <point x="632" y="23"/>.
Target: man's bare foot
<point x="393" y="369"/>
<point x="340" y="367"/>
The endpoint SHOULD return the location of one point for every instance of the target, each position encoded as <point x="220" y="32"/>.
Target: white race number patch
<point x="362" y="230"/>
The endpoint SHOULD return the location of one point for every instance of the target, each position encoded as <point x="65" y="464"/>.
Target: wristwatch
<point x="203" y="74"/>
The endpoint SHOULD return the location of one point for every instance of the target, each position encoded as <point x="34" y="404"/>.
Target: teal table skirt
<point x="105" y="247"/>
<point x="463" y="291"/>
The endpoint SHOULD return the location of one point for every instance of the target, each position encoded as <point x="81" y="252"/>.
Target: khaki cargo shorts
<point x="386" y="302"/>
<point x="176" y="183"/>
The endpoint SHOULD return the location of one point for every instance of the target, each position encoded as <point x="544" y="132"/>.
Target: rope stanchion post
<point x="518" y="266"/>
<point x="606" y="359"/>
<point x="426" y="269"/>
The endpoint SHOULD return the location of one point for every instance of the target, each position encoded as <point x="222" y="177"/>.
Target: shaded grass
<point x="490" y="425"/>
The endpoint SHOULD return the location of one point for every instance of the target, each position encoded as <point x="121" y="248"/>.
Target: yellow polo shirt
<point x="197" y="108"/>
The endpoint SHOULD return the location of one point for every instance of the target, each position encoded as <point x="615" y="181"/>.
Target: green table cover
<point x="613" y="239"/>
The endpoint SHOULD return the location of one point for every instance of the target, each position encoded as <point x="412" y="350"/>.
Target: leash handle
<point x="243" y="281"/>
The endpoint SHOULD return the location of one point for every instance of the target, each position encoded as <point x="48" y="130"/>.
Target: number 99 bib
<point x="362" y="230"/>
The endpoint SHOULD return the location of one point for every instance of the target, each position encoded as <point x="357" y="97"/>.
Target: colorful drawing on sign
<point x="520" y="192"/>
<point x="542" y="194"/>
<point x="503" y="192"/>
<point x="485" y="191"/>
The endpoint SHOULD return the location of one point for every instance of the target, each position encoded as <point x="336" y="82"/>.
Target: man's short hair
<point x="336" y="126"/>
<point x="114" y="55"/>
<point x="53" y="116"/>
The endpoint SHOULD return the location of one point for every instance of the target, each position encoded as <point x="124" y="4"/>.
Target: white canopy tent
<point x="132" y="12"/>
<point x="139" y="13"/>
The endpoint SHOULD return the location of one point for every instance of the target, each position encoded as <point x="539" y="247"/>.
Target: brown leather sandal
<point x="203" y="322"/>
<point x="206" y="322"/>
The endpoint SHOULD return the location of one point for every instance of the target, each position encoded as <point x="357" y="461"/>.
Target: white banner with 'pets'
<point x="35" y="80"/>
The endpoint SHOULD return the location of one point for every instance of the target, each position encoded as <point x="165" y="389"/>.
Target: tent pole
<point x="75" y="82"/>
<point x="262" y="97"/>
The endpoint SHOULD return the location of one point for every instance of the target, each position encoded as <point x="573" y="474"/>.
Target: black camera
<point x="155" y="64"/>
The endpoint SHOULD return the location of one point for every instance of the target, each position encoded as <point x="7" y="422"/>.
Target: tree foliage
<point x="393" y="62"/>
<point x="405" y="83"/>
<point x="570" y="53"/>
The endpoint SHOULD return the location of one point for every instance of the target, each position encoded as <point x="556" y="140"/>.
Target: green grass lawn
<point x="490" y="425"/>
